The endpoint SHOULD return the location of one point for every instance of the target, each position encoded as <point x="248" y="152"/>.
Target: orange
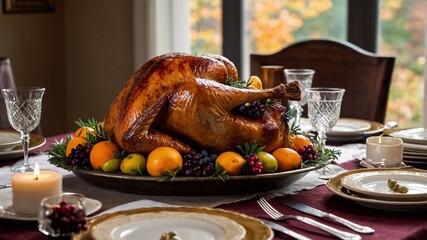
<point x="163" y="159"/>
<point x="287" y="159"/>
<point x="82" y="132"/>
<point x="73" y="144"/>
<point x="102" y="152"/>
<point x="255" y="82"/>
<point x="299" y="140"/>
<point x="231" y="162"/>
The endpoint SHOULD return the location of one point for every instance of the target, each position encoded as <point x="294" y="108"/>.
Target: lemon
<point x="112" y="165"/>
<point x="255" y="82"/>
<point x="268" y="161"/>
<point x="133" y="164"/>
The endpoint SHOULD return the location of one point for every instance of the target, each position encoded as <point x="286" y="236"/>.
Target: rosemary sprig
<point x="57" y="153"/>
<point x="219" y="173"/>
<point x="97" y="132"/>
<point x="237" y="84"/>
<point x="250" y="148"/>
<point x="325" y="155"/>
<point x="169" y="175"/>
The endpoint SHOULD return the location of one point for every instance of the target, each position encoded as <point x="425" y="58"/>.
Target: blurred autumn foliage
<point x="270" y="25"/>
<point x="402" y="34"/>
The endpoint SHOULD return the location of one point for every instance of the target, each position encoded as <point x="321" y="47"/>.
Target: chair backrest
<point x="6" y="81"/>
<point x="365" y="76"/>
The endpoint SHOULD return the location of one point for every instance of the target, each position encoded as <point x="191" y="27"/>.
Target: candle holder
<point x="387" y="151"/>
<point x="62" y="216"/>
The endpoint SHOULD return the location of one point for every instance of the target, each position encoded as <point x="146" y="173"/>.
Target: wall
<point x="82" y="53"/>
<point x="34" y="42"/>
<point x="98" y="55"/>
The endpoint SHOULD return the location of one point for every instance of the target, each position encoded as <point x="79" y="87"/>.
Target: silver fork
<point x="276" y="215"/>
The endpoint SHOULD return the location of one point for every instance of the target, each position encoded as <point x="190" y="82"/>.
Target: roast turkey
<point x="182" y="101"/>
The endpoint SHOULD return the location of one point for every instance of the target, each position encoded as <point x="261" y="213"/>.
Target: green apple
<point x="112" y="165"/>
<point x="133" y="164"/>
<point x="268" y="161"/>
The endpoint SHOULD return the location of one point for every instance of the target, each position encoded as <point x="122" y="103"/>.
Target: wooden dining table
<point x="387" y="224"/>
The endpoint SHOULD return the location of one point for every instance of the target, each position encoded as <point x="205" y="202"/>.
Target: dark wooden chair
<point x="365" y="76"/>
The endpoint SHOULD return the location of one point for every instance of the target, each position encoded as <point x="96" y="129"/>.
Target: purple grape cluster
<point x="66" y="219"/>
<point x="307" y="153"/>
<point x="253" y="165"/>
<point x="280" y="108"/>
<point x="253" y="110"/>
<point x="199" y="164"/>
<point x="79" y="156"/>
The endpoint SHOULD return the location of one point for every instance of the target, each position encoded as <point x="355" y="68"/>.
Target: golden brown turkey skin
<point x="179" y="100"/>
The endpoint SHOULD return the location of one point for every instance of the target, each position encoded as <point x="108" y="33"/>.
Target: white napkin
<point x="348" y="150"/>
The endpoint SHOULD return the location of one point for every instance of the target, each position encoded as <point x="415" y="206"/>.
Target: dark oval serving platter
<point x="181" y="186"/>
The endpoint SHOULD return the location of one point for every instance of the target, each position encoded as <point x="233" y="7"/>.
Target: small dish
<point x="374" y="184"/>
<point x="7" y="212"/>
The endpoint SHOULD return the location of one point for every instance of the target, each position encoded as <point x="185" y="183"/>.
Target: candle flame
<point x="36" y="171"/>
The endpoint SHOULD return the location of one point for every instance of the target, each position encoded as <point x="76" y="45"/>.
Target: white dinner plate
<point x="9" y="139"/>
<point x="413" y="135"/>
<point x="414" y="146"/>
<point x="416" y="162"/>
<point x="344" y="126"/>
<point x="375" y="184"/>
<point x="351" y="135"/>
<point x="151" y="225"/>
<point x="7" y="212"/>
<point x="335" y="186"/>
<point x="36" y="141"/>
<point x="254" y="228"/>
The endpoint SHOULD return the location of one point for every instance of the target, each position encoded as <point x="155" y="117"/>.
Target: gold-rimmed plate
<point x="335" y="186"/>
<point x="348" y="130"/>
<point x="254" y="228"/>
<point x="36" y="141"/>
<point x="9" y="139"/>
<point x="412" y="135"/>
<point x="374" y="184"/>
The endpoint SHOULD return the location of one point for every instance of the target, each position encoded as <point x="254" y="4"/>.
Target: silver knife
<point x="284" y="230"/>
<point x="5" y="186"/>
<point x="318" y="213"/>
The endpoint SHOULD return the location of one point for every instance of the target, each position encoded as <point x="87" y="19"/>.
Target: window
<point x="402" y="34"/>
<point x="206" y="27"/>
<point x="270" y="25"/>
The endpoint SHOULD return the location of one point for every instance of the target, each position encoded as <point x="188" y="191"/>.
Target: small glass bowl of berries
<point x="62" y="216"/>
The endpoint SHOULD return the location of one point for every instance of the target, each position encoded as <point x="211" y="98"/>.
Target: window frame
<point x="362" y="27"/>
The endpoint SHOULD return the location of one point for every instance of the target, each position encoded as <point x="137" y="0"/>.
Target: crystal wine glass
<point x="324" y="106"/>
<point x="304" y="78"/>
<point x="24" y="107"/>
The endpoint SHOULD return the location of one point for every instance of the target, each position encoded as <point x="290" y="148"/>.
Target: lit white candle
<point x="29" y="188"/>
<point x="387" y="150"/>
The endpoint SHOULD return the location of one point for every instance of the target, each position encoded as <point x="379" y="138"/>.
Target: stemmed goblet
<point x="24" y="107"/>
<point x="324" y="106"/>
<point x="305" y="79"/>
